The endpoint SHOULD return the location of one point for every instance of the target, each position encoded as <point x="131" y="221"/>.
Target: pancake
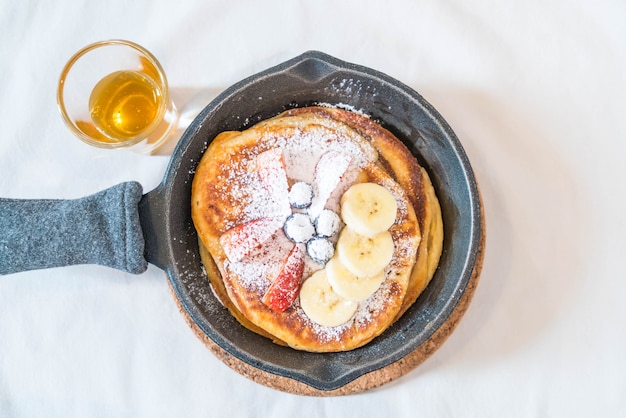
<point x="228" y="191"/>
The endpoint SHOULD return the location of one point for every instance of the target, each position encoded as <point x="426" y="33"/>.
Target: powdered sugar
<point x="302" y="147"/>
<point x="365" y="313"/>
<point x="343" y="106"/>
<point x="256" y="271"/>
<point x="371" y="307"/>
<point x="320" y="249"/>
<point x="301" y="195"/>
<point x="328" y="172"/>
<point x="240" y="241"/>
<point x="327" y="223"/>
<point x="299" y="228"/>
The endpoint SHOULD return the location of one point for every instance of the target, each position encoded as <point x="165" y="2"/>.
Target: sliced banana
<point x="349" y="285"/>
<point x="368" y="208"/>
<point x="364" y="256"/>
<point x="322" y="304"/>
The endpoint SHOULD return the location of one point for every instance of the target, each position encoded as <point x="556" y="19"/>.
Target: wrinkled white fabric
<point x="535" y="90"/>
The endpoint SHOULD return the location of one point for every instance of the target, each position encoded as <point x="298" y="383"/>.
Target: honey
<point x="125" y="104"/>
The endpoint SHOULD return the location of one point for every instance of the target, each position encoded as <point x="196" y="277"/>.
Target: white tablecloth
<point x="536" y="91"/>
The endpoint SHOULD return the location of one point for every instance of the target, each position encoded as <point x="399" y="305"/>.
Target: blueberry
<point x="301" y="195"/>
<point x="299" y="228"/>
<point x="327" y="223"/>
<point x="320" y="249"/>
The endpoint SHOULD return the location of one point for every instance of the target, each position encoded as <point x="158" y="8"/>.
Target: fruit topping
<point x="242" y="240"/>
<point x="284" y="288"/>
<point x="364" y="256"/>
<point x="368" y="209"/>
<point x="271" y="168"/>
<point x="320" y="249"/>
<point x="322" y="304"/>
<point x="328" y="172"/>
<point x="349" y="285"/>
<point x="301" y="195"/>
<point x="327" y="223"/>
<point x="299" y="228"/>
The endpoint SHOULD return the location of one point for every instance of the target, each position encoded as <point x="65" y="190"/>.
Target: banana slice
<point x="362" y="255"/>
<point x="322" y="304"/>
<point x="350" y="286"/>
<point x="368" y="208"/>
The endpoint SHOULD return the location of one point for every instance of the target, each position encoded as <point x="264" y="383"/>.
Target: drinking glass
<point x="114" y="94"/>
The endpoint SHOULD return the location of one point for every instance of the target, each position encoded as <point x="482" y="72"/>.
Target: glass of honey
<point x="114" y="94"/>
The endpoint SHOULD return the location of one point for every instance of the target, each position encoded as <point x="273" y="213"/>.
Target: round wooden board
<point x="368" y="381"/>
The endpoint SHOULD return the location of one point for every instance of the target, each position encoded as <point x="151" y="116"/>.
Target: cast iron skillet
<point x="314" y="77"/>
<point x="171" y="241"/>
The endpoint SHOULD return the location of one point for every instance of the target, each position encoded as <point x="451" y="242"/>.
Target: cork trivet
<point x="367" y="381"/>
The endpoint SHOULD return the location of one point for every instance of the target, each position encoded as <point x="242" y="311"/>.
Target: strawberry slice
<point x="273" y="173"/>
<point x="240" y="241"/>
<point x="284" y="289"/>
<point x="328" y="172"/>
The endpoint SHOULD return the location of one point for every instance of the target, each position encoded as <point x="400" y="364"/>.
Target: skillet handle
<point x="103" y="228"/>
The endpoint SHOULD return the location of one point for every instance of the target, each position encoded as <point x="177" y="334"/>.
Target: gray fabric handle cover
<point x="103" y="228"/>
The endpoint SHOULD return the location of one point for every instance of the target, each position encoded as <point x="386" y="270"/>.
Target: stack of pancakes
<point x="227" y="192"/>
